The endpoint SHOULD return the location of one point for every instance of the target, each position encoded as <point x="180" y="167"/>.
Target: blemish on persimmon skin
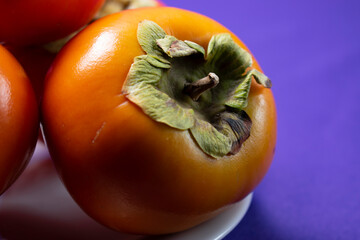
<point x="97" y="134"/>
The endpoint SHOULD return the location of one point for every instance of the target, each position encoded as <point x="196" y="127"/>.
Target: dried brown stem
<point x="195" y="89"/>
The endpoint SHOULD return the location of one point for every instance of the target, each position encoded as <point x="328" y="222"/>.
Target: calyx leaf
<point x="176" y="48"/>
<point x="159" y="81"/>
<point x="206" y="134"/>
<point x="140" y="88"/>
<point x="147" y="34"/>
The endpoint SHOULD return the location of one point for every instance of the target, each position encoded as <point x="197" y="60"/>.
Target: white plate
<point x="218" y="227"/>
<point x="38" y="206"/>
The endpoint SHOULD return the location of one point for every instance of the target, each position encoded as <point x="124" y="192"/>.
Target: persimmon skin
<point x="28" y="22"/>
<point x="19" y="119"/>
<point x="124" y="169"/>
<point x="36" y="62"/>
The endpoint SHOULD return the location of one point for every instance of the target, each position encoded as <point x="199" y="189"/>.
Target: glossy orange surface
<point x="36" y="62"/>
<point x="124" y="169"/>
<point x="19" y="121"/>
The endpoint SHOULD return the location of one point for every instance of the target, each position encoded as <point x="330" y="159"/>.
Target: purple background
<point x="311" y="51"/>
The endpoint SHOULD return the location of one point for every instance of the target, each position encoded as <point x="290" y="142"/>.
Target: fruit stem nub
<point x="195" y="89"/>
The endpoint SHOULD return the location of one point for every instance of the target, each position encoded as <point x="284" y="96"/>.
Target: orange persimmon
<point x="123" y="154"/>
<point x="28" y="22"/>
<point x="19" y="120"/>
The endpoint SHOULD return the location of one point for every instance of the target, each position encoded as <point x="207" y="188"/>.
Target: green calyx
<point x="179" y="84"/>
